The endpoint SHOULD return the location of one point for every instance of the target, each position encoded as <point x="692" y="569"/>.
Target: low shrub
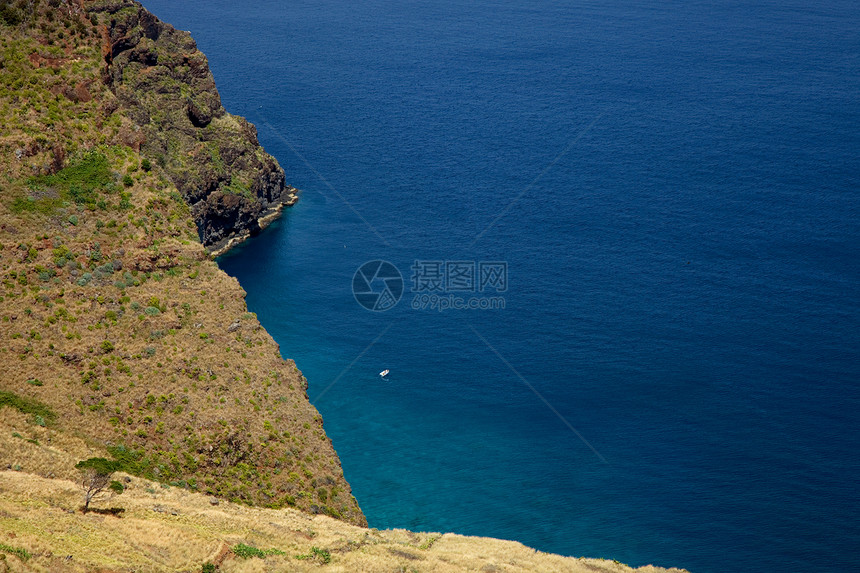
<point x="27" y="406"/>
<point x="247" y="551"/>
<point x="316" y="553"/>
<point x="18" y="552"/>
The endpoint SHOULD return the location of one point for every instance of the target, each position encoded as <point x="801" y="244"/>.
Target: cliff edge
<point x="112" y="313"/>
<point x="213" y="158"/>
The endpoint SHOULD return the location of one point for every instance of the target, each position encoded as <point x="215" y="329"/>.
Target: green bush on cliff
<point x="9" y="15"/>
<point x="27" y="406"/>
<point x="135" y="462"/>
<point x="237" y="187"/>
<point x="78" y="183"/>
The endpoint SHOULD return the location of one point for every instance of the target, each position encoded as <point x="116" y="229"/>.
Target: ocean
<point x="653" y="208"/>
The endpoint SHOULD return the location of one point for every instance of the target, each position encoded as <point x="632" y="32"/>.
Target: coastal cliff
<point x="120" y="338"/>
<point x="164" y="84"/>
<point x="112" y="313"/>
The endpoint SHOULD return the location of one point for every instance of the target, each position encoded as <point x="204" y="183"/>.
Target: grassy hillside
<point x="112" y="313"/>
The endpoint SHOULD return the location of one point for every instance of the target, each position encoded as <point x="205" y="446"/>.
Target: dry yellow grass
<point x="172" y="529"/>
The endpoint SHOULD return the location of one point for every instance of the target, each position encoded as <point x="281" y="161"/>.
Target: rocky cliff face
<point x="165" y="85"/>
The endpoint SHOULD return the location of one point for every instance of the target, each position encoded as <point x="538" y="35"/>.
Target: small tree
<point x="96" y="478"/>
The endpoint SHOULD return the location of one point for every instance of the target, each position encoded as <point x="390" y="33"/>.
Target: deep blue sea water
<point x="675" y="377"/>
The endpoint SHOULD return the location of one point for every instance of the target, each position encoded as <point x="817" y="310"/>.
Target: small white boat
<point x="384" y="373"/>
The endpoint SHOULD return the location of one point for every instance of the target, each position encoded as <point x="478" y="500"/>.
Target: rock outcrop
<point x="164" y="84"/>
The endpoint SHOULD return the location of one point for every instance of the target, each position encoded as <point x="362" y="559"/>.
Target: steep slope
<point x="163" y="82"/>
<point x="111" y="311"/>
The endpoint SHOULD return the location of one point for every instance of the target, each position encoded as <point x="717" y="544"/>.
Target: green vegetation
<point x="153" y="468"/>
<point x="100" y="465"/>
<point x="9" y="15"/>
<point x="134" y="462"/>
<point x="316" y="553"/>
<point x="79" y="183"/>
<point x="24" y="405"/>
<point x="247" y="551"/>
<point x="237" y="187"/>
<point x="18" y="552"/>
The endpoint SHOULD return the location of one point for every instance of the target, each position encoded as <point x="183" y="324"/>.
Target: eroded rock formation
<point x="165" y="85"/>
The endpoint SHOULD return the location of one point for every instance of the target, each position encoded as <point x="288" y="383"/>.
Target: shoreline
<point x="263" y="221"/>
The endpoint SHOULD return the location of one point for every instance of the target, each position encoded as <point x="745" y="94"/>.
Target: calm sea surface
<point x="675" y="376"/>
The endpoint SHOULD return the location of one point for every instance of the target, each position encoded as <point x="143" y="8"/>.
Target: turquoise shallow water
<point x="674" y="377"/>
